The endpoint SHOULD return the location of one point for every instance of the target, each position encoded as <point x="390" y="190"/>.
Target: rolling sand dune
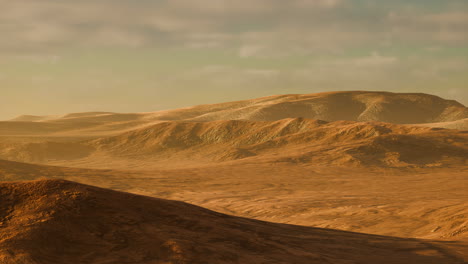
<point x="354" y="106"/>
<point x="423" y="203"/>
<point x="461" y="124"/>
<point x="379" y="163"/>
<point x="78" y="124"/>
<point x="399" y="108"/>
<point x="296" y="140"/>
<point x="32" y="118"/>
<point x="45" y="151"/>
<point x="84" y="224"/>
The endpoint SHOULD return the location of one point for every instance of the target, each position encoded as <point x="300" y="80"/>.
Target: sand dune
<point x="66" y="116"/>
<point x="461" y="124"/>
<point x="397" y="108"/>
<point x="330" y="160"/>
<point x="296" y="140"/>
<point x="84" y="224"/>
<point x="43" y="151"/>
<point x="400" y="108"/>
<point x="91" y="124"/>
<point x="33" y="118"/>
<point x="416" y="203"/>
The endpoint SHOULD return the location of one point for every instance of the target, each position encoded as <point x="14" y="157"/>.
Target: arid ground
<point x="343" y="177"/>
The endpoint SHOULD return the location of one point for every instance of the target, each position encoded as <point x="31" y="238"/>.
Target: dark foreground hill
<point x="54" y="221"/>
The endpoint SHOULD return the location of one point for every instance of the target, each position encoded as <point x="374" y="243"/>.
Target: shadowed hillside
<point x="422" y="203"/>
<point x="84" y="224"/>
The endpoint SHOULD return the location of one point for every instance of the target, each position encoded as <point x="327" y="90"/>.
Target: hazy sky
<point x="60" y="56"/>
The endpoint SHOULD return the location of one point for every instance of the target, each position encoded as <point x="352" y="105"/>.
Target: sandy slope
<point x="294" y="140"/>
<point x="353" y="106"/>
<point x="461" y="124"/>
<point x="84" y="224"/>
<point x="79" y="124"/>
<point x="270" y="158"/>
<point x="423" y="203"/>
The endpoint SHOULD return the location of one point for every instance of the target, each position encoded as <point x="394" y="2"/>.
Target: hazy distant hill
<point x="461" y="124"/>
<point x="399" y="108"/>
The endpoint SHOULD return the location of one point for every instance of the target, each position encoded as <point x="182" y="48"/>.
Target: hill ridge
<point x="292" y="140"/>
<point x="86" y="224"/>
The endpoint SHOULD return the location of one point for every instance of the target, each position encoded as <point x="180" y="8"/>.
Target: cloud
<point x="263" y="73"/>
<point x="296" y="24"/>
<point x="375" y="60"/>
<point x="270" y="43"/>
<point x="247" y="51"/>
<point x="447" y="19"/>
<point x="318" y="3"/>
<point x="255" y="7"/>
<point x="447" y="27"/>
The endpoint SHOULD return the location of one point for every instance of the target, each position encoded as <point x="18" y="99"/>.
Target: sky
<point x="62" y="56"/>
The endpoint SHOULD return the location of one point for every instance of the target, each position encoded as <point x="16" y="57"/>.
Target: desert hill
<point x="17" y="168"/>
<point x="425" y="203"/>
<point x="82" y="224"/>
<point x="389" y="166"/>
<point x="19" y="171"/>
<point x="399" y="108"/>
<point x="32" y="118"/>
<point x="78" y="124"/>
<point x="461" y="124"/>
<point x="294" y="140"/>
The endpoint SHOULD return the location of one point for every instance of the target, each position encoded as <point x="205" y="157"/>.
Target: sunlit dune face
<point x="335" y="128"/>
<point x="127" y="56"/>
<point x="318" y="131"/>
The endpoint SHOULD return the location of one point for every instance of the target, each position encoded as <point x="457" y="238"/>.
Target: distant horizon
<point x="126" y="56"/>
<point x="103" y="111"/>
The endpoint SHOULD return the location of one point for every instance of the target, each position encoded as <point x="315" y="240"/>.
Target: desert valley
<point x="335" y="177"/>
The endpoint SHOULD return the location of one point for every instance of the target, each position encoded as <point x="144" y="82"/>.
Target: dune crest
<point x="399" y="108"/>
<point x="461" y="124"/>
<point x="371" y="162"/>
